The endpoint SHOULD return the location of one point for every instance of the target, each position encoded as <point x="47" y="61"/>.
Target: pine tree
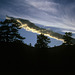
<point x="9" y="31"/>
<point x="67" y="38"/>
<point x="42" y="41"/>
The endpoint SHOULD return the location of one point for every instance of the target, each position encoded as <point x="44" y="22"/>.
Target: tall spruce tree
<point x="67" y="38"/>
<point x="9" y="31"/>
<point x="42" y="41"/>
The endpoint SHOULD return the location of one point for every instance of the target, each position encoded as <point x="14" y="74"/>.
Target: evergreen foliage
<point x="42" y="41"/>
<point x="16" y="56"/>
<point x="67" y="38"/>
<point x="9" y="31"/>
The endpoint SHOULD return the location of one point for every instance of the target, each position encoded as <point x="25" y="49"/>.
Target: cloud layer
<point x="53" y="13"/>
<point x="27" y="25"/>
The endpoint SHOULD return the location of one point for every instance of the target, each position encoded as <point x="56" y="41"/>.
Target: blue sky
<point x="57" y="14"/>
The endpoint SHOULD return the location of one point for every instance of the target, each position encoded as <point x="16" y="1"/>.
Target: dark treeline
<point x="17" y="56"/>
<point x="21" y="57"/>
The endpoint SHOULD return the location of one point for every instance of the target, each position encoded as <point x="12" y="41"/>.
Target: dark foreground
<point x="20" y="59"/>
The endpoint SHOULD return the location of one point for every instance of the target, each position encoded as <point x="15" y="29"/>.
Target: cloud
<point x="44" y="5"/>
<point x="53" y="13"/>
<point x="27" y="25"/>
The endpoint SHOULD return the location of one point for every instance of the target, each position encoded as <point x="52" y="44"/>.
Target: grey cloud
<point x="26" y="24"/>
<point x="33" y="28"/>
<point x="60" y="15"/>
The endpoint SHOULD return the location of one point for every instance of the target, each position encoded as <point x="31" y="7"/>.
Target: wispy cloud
<point x="53" y="13"/>
<point x="36" y="29"/>
<point x="44" y="5"/>
<point x="27" y="25"/>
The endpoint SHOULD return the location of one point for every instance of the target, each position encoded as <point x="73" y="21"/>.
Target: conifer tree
<point x="9" y="31"/>
<point x="67" y="38"/>
<point x="42" y="41"/>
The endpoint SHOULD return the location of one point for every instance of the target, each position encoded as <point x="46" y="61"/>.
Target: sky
<point x="58" y="15"/>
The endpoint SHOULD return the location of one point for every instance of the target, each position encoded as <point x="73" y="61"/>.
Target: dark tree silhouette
<point x="42" y="41"/>
<point x="30" y="44"/>
<point x="9" y="31"/>
<point x="67" y="38"/>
